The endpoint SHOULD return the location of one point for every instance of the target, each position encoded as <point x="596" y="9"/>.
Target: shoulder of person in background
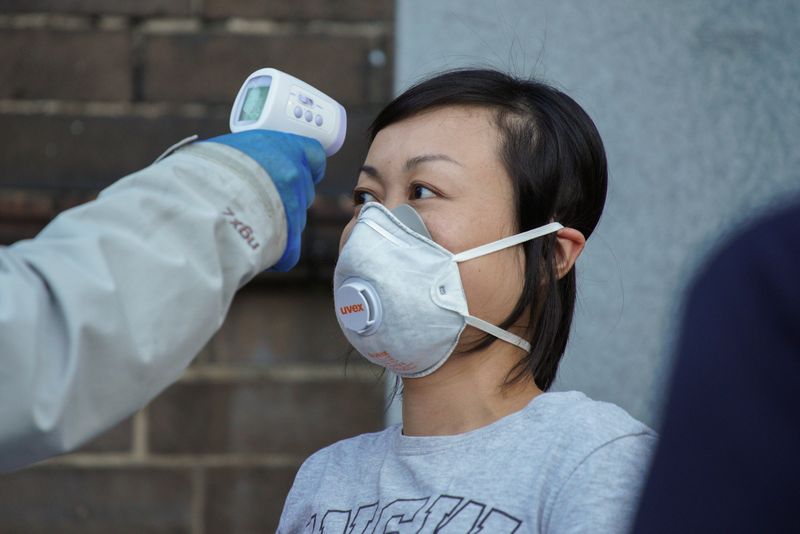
<point x="728" y="456"/>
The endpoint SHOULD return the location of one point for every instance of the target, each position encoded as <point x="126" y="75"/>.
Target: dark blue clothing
<point x="729" y="456"/>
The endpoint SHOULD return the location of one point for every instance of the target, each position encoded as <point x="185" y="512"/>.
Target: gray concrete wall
<point x="699" y="107"/>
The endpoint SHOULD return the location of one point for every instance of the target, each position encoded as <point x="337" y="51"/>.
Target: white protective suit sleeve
<point x="111" y="301"/>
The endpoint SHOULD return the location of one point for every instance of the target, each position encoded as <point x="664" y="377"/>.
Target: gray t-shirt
<point x="562" y="464"/>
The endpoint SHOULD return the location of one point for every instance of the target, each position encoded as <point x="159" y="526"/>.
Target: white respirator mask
<point x="398" y="294"/>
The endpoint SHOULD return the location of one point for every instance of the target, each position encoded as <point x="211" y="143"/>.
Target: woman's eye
<point x="420" y="191"/>
<point x="361" y="197"/>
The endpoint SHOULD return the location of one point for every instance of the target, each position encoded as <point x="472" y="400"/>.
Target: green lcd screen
<point x="253" y="103"/>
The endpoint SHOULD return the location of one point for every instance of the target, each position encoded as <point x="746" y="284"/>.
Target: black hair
<point x="553" y="153"/>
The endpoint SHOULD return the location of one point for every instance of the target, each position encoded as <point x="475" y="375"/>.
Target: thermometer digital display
<point x="273" y="100"/>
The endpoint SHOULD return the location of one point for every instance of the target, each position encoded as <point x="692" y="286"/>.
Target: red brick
<point x="212" y="67"/>
<point x="302" y="9"/>
<point x="12" y="232"/>
<point x="100" y="7"/>
<point x="273" y="417"/>
<point x="53" y="162"/>
<point x="320" y="252"/>
<point x="240" y="501"/>
<point x="74" y="65"/>
<point x="96" y="501"/>
<point x="24" y="212"/>
<point x="268" y="325"/>
<point x="37" y="205"/>
<point x="73" y="152"/>
<point x="118" y="439"/>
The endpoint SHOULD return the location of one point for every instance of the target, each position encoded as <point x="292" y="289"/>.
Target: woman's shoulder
<point x="326" y="467"/>
<point x="357" y="447"/>
<point x="598" y="456"/>
<point x="580" y="419"/>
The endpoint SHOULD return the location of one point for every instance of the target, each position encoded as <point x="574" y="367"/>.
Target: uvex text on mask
<point x="398" y="294"/>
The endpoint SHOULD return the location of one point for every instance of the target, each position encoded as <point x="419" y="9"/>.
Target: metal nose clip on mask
<point x="398" y="294"/>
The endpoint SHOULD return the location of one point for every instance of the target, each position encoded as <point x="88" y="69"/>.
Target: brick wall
<point x="91" y="90"/>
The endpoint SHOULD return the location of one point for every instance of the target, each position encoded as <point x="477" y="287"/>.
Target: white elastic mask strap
<point x="507" y="242"/>
<point x="382" y="231"/>
<point x="495" y="246"/>
<point x="498" y="332"/>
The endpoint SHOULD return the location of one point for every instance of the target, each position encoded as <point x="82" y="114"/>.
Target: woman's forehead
<point x="465" y="131"/>
<point x="454" y="147"/>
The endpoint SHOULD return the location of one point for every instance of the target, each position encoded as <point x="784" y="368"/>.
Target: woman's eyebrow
<point x="371" y="171"/>
<point x="417" y="160"/>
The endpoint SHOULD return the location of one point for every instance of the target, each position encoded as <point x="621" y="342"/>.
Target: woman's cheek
<point x="447" y="230"/>
<point x="492" y="285"/>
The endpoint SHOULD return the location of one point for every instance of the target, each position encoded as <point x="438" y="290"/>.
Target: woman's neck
<point x="465" y="393"/>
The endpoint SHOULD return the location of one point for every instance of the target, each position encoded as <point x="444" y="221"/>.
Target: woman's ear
<point x="569" y="245"/>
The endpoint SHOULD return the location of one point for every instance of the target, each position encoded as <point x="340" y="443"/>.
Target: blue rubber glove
<point x="295" y="165"/>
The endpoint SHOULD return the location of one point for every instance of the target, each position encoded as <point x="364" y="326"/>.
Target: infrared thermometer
<point x="273" y="100"/>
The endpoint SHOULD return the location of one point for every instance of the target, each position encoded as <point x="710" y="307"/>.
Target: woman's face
<point x="445" y="164"/>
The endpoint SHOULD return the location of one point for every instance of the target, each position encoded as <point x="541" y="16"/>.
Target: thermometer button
<point x="318" y="120"/>
<point x="298" y="112"/>
<point x="309" y="116"/>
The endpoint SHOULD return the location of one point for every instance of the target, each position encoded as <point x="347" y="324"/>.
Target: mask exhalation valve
<point x="358" y="306"/>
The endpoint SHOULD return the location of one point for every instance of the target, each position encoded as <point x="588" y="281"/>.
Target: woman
<point x="476" y="332"/>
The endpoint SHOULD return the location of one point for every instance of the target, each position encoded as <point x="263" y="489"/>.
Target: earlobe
<point x="569" y="245"/>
